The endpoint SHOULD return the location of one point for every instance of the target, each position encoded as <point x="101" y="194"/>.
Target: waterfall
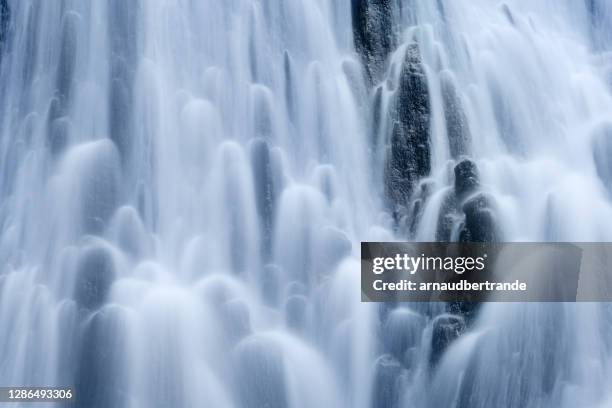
<point x="184" y="186"/>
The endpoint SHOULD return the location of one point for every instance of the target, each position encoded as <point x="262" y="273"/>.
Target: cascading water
<point x="184" y="185"/>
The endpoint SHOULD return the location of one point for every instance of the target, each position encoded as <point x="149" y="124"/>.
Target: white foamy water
<point x="184" y="186"/>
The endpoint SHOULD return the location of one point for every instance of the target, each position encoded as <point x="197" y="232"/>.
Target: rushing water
<point x="184" y="186"/>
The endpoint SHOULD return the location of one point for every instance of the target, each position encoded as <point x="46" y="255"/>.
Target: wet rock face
<point x="289" y="85"/>
<point x="377" y="115"/>
<point x="598" y="14"/>
<point x="446" y="217"/>
<point x="30" y="44"/>
<point x="446" y="328"/>
<point x="465" y="201"/>
<point x="5" y="18"/>
<point x="373" y="34"/>
<point x="466" y="178"/>
<point x="408" y="158"/>
<point x="479" y="220"/>
<point x="266" y="191"/>
<point x="457" y="128"/>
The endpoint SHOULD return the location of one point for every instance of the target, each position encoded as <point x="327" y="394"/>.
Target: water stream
<point x="184" y="185"/>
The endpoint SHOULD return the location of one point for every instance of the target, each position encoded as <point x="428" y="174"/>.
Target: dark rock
<point x="418" y="205"/>
<point x="95" y="275"/>
<point x="377" y="114"/>
<point x="30" y="47"/>
<point x="399" y="178"/>
<point x="508" y="13"/>
<point x="259" y="374"/>
<point x="446" y="217"/>
<point x="289" y="78"/>
<point x="266" y="192"/>
<point x="600" y="15"/>
<point x="254" y="61"/>
<point x="466" y="200"/>
<point x="479" y="220"/>
<point x="101" y="378"/>
<point x="373" y="34"/>
<point x="478" y="225"/>
<point x="466" y="178"/>
<point x="446" y="328"/>
<point x="408" y="157"/>
<point x="464" y="308"/>
<point x="5" y="19"/>
<point x="415" y="215"/>
<point x="602" y="154"/>
<point x="457" y="128"/>
<point x="387" y="382"/>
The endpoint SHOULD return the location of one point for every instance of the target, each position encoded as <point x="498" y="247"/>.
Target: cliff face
<point x="408" y="154"/>
<point x="373" y="34"/>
